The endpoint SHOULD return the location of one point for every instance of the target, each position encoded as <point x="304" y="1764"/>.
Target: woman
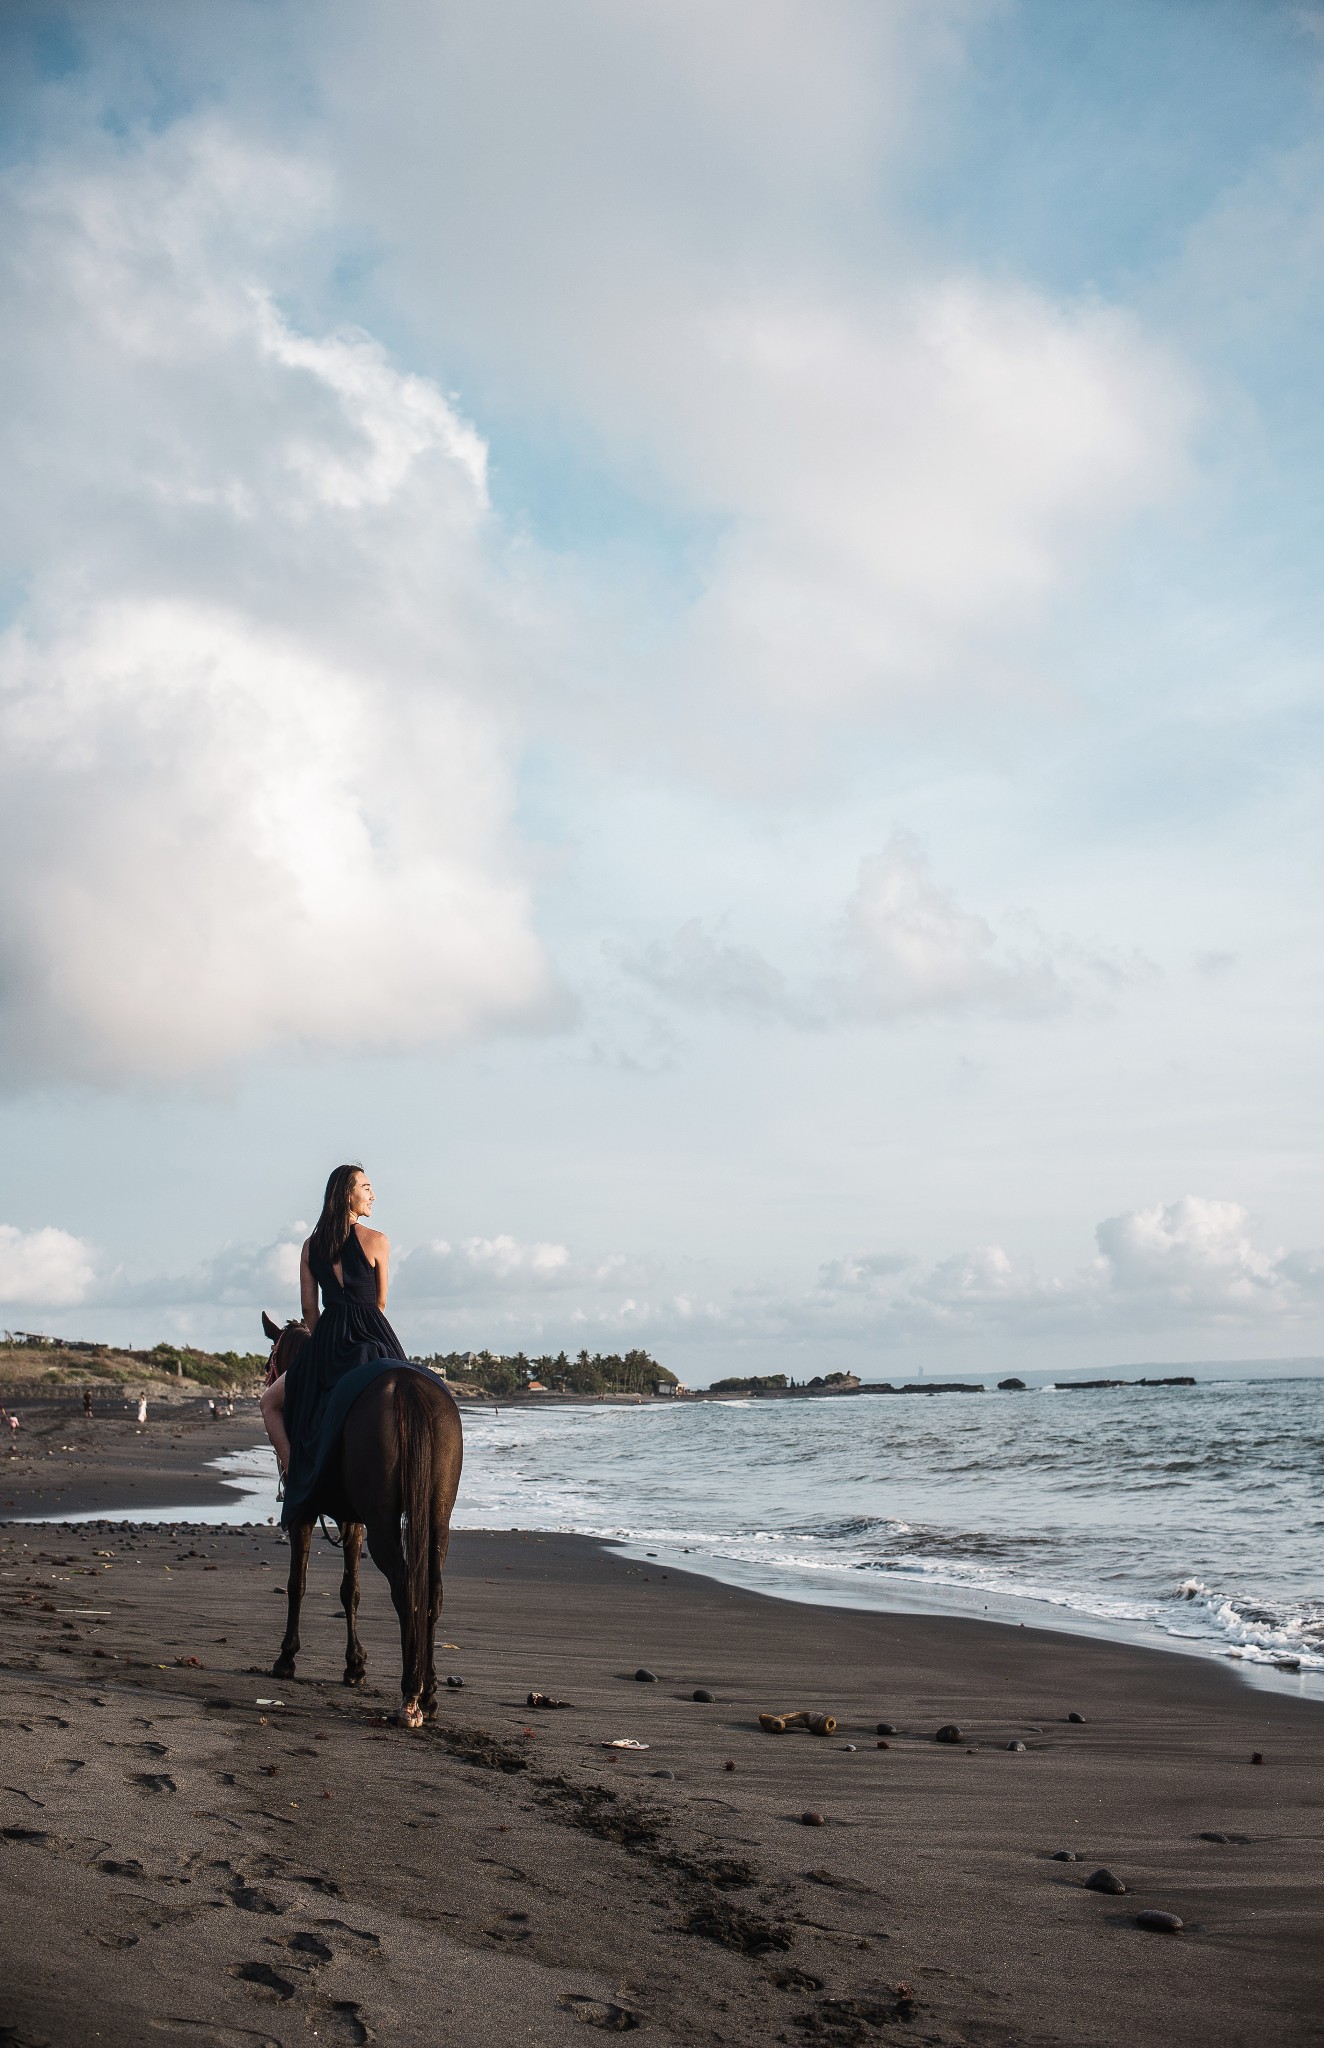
<point x="350" y="1263"/>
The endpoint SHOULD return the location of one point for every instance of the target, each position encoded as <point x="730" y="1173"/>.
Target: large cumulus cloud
<point x="253" y="758"/>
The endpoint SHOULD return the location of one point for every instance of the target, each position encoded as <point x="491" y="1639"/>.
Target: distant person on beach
<point x="350" y="1264"/>
<point x="87" y="1403"/>
<point x="142" y="1407"/>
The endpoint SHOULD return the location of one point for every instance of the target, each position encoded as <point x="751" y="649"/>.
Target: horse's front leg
<point x="356" y="1661"/>
<point x="301" y="1537"/>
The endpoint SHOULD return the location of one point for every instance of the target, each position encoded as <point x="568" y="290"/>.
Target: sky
<point x="693" y="630"/>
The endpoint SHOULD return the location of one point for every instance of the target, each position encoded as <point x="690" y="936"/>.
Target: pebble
<point x="1257" y="1756"/>
<point x="848" y="1745"/>
<point x="884" y="1745"/>
<point x="646" y="1677"/>
<point x="810" y="1819"/>
<point x="1016" y="1745"/>
<point x="455" y="1684"/>
<point x="949" y="1732"/>
<point x="1079" y="1719"/>
<point x="1065" y="1856"/>
<point x="1160" y="1923"/>
<point x="729" y="1765"/>
<point x="702" y="1694"/>
<point x="886" y="1728"/>
<point x="1104" y="1881"/>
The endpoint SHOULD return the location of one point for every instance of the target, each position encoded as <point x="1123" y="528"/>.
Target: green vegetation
<point x="210" y="1368"/>
<point x="635" y="1373"/>
<point x="773" y="1382"/>
<point x="30" y="1361"/>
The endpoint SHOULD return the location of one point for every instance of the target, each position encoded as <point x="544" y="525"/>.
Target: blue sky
<point x="694" y="630"/>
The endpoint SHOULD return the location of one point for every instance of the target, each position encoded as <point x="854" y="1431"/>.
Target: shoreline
<point x="106" y="1480"/>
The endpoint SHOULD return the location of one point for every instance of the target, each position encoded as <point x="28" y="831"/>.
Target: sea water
<point x="1189" y="1517"/>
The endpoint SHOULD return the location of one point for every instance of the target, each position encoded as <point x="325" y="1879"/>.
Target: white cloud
<point x="46" y="1268"/>
<point x="659" y="227"/>
<point x="255" y="787"/>
<point x="903" y="947"/>
<point x="1190" y="1265"/>
<point x="480" y="1265"/>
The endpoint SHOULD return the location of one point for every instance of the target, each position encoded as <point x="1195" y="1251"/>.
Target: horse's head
<point x="286" y="1342"/>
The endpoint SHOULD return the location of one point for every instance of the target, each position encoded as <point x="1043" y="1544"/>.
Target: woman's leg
<point x="272" y="1405"/>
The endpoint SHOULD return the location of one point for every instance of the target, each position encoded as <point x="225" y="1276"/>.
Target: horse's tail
<point x="418" y="1507"/>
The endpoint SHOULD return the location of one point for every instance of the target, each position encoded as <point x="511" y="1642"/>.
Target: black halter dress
<point x="351" y="1344"/>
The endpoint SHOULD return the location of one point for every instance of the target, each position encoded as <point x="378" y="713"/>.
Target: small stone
<point x="646" y="1677"/>
<point x="949" y="1732"/>
<point x="1020" y="1746"/>
<point x="1103" y="1880"/>
<point x="848" y="1745"/>
<point x="702" y="1694"/>
<point x="456" y="1684"/>
<point x="1079" y="1719"/>
<point x="884" y="1745"/>
<point x="1257" y="1756"/>
<point x="886" y="1728"/>
<point x="810" y="1819"/>
<point x="1160" y="1923"/>
<point x="1065" y="1856"/>
<point x="729" y="1765"/>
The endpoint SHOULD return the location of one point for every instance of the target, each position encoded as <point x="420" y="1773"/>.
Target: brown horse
<point x="394" y="1475"/>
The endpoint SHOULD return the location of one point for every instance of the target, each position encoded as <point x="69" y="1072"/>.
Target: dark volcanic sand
<point x="172" y="1871"/>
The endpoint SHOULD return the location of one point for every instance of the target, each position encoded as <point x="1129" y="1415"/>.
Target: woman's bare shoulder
<point x="373" y="1241"/>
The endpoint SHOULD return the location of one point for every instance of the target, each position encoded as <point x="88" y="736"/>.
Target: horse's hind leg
<point x="388" y="1554"/>
<point x="440" y="1541"/>
<point x="356" y="1662"/>
<point x="301" y="1536"/>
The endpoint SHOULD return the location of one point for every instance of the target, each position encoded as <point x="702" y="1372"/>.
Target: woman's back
<point x="358" y="1275"/>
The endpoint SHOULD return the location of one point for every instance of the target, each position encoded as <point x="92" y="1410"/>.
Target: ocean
<point x="1189" y="1518"/>
<point x="1184" y="1517"/>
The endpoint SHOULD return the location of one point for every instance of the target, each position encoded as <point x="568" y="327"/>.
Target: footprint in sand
<point x="250" y="1900"/>
<point x="308" y="1945"/>
<point x="263" y="1978"/>
<point x="154" y="1781"/>
<point x="599" y="2012"/>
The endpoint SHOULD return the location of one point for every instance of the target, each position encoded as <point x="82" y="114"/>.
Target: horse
<point x="393" y="1475"/>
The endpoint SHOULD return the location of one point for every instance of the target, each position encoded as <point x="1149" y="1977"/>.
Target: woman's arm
<point x="308" y="1292"/>
<point x="377" y="1249"/>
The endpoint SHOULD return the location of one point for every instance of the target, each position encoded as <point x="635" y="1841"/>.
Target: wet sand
<point x="183" y="1865"/>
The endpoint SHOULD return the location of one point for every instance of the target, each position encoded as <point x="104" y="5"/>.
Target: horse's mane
<point x="286" y="1347"/>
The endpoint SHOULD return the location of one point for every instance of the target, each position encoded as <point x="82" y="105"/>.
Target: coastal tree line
<point x="631" y="1372"/>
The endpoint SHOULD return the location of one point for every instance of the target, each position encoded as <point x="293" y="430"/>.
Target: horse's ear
<point x="270" y="1329"/>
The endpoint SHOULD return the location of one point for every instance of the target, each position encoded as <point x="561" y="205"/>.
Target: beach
<point x="194" y="1853"/>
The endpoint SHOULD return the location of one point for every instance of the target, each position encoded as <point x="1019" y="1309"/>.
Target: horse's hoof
<point x="410" y="1715"/>
<point x="283" y="1667"/>
<point x="354" y="1678"/>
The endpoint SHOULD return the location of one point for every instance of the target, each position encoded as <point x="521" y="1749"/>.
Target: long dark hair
<point x="333" y="1226"/>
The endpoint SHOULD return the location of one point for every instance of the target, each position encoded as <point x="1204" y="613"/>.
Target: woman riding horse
<point x="350" y="1263"/>
<point x="364" y="1437"/>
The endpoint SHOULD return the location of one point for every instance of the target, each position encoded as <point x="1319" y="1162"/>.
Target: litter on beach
<point x="269" y="1703"/>
<point x="625" y="1742"/>
<point x="817" y="1724"/>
